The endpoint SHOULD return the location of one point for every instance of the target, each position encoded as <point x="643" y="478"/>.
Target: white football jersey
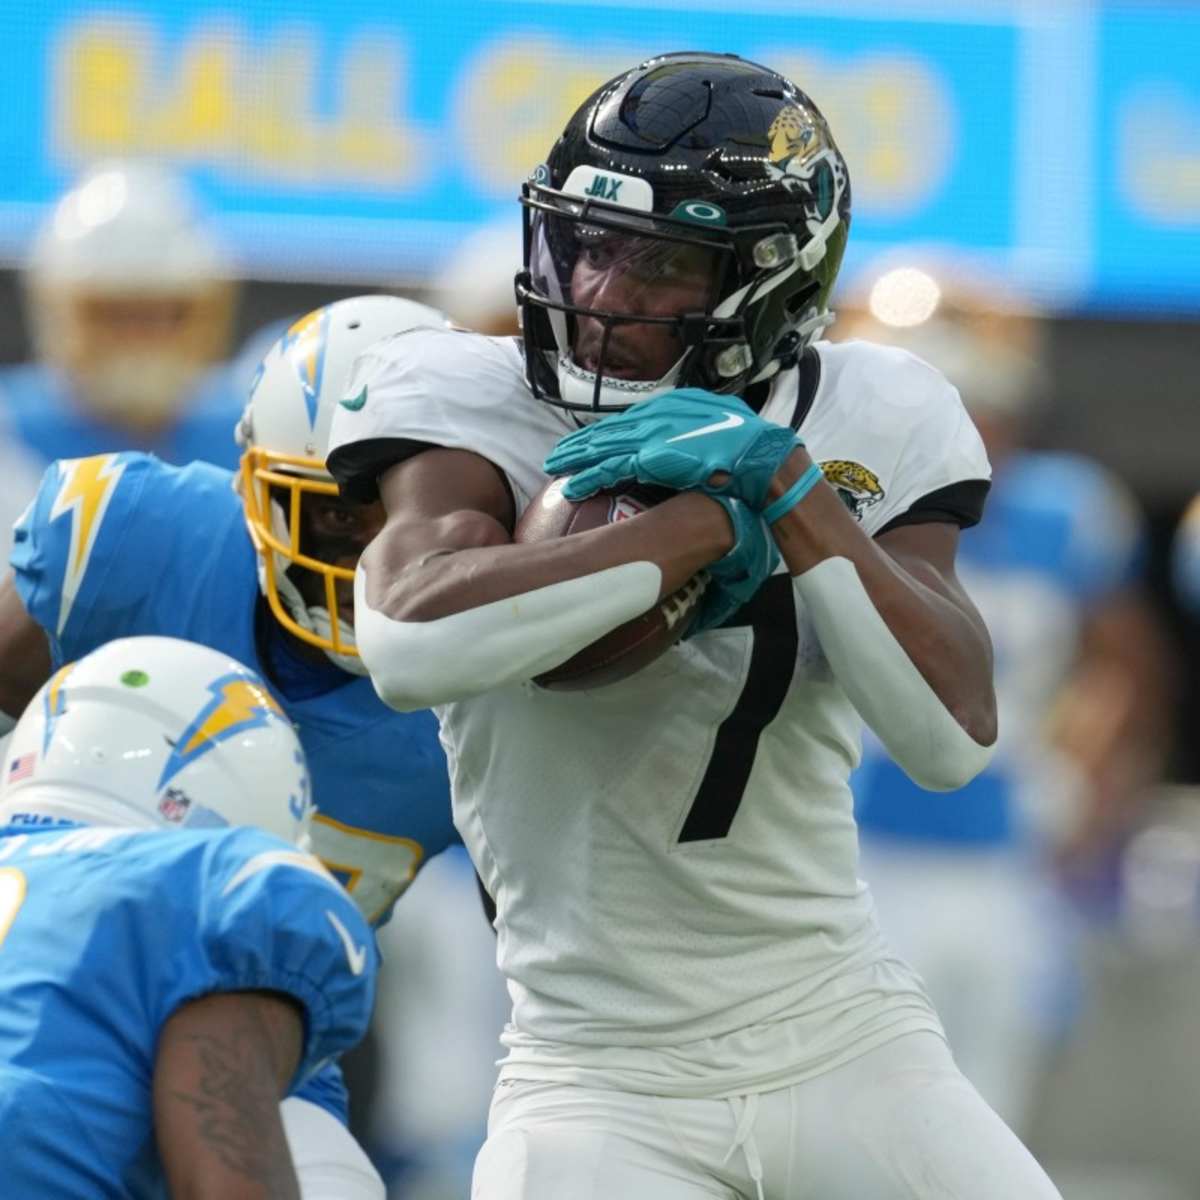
<point x="673" y="857"/>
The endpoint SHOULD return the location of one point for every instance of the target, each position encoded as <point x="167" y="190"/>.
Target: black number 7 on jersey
<point x="771" y="616"/>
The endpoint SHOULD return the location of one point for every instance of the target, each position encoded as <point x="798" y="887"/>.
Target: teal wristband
<point x="793" y="496"/>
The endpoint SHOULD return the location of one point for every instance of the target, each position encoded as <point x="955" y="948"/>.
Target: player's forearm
<point x="916" y="663"/>
<point x="446" y="574"/>
<point x="461" y="622"/>
<point x="222" y="1065"/>
<point x="948" y="646"/>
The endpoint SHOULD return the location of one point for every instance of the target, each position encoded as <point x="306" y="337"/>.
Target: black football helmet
<point x="699" y="197"/>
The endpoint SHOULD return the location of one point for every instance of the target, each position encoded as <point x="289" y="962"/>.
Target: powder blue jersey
<point x="1060" y="536"/>
<point x="104" y="933"/>
<point x="51" y="422"/>
<point x="118" y="545"/>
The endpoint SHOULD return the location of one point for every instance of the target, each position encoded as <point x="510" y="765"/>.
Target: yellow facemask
<point x="278" y="547"/>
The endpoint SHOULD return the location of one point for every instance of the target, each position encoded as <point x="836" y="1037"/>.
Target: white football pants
<point x="330" y="1164"/>
<point x="898" y="1123"/>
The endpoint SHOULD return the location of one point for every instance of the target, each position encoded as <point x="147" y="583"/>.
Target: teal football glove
<point x="734" y="579"/>
<point x="679" y="440"/>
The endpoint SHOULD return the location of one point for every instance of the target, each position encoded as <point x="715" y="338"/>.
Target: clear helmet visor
<point x="626" y="308"/>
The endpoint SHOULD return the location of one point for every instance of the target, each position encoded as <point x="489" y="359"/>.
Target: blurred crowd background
<point x="180" y="179"/>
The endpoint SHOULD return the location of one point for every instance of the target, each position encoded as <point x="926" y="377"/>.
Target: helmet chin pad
<point x="320" y="624"/>
<point x="275" y="532"/>
<point x="313" y="619"/>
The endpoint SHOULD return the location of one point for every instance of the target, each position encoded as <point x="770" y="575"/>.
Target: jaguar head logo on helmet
<point x="686" y="230"/>
<point x="308" y="540"/>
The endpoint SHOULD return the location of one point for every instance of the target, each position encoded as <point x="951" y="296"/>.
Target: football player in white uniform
<point x="702" y="1003"/>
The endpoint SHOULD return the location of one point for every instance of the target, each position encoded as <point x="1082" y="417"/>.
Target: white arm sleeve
<point x="330" y="1164"/>
<point x="417" y="664"/>
<point x="891" y="695"/>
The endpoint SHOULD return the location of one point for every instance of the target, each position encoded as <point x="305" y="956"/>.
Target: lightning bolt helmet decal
<point x="237" y="704"/>
<point x="304" y="344"/>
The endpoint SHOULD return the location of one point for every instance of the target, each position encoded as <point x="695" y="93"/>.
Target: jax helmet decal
<point x="237" y="704"/>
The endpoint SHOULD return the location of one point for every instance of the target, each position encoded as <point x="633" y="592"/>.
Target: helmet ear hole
<point x="798" y="303"/>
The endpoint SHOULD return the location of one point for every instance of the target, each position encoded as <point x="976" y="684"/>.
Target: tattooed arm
<point x="224" y="1063"/>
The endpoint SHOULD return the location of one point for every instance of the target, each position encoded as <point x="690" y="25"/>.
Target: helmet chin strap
<point x="577" y="386"/>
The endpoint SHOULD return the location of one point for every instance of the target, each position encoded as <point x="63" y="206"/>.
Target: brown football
<point x="627" y="649"/>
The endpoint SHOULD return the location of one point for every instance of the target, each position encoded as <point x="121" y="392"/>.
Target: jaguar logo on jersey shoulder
<point x="858" y="487"/>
